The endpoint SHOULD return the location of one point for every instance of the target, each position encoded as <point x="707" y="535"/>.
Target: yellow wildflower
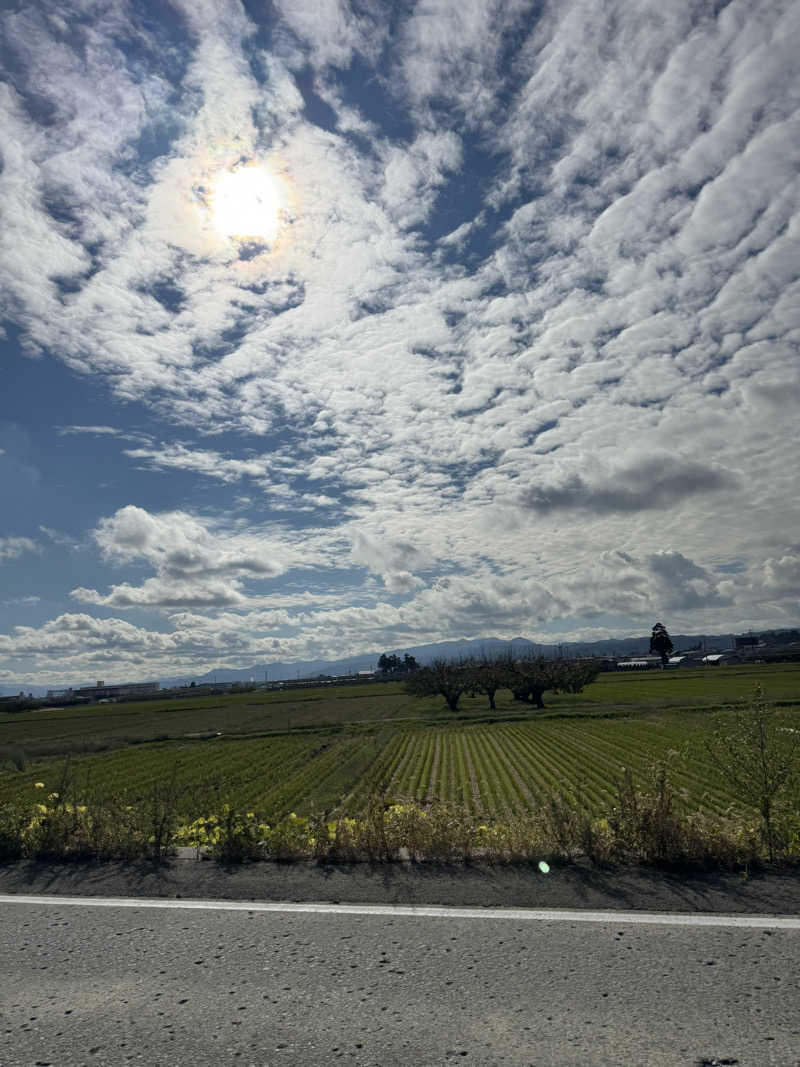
<point x="38" y="785"/>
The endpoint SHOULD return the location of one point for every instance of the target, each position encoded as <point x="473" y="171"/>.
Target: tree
<point x="528" y="679"/>
<point x="576" y="674"/>
<point x="450" y="678"/>
<point x="661" y="643"/>
<point x="533" y="676"/>
<point x="757" y="753"/>
<point x="392" y="664"/>
<point x="488" y="675"/>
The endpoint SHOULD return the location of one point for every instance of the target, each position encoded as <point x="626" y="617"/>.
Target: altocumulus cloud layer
<point x="522" y="359"/>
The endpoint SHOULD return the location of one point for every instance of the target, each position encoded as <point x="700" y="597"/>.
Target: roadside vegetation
<point x="713" y="782"/>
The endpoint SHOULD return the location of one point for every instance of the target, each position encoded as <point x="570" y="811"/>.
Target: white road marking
<point x="428" y="911"/>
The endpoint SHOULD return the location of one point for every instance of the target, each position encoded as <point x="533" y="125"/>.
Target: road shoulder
<point x="577" y="885"/>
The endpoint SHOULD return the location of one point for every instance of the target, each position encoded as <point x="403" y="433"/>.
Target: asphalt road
<point x="113" y="985"/>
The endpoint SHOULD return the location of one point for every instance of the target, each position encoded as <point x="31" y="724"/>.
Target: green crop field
<point x="60" y="731"/>
<point x="315" y="750"/>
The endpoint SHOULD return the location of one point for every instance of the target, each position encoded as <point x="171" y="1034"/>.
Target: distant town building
<point x="685" y="659"/>
<point x="641" y="663"/>
<point x="101" y="691"/>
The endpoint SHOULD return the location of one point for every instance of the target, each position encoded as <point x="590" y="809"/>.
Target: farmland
<point x="326" y="749"/>
<point x="76" y="730"/>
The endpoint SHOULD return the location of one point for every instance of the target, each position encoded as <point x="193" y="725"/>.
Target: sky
<point x="332" y="327"/>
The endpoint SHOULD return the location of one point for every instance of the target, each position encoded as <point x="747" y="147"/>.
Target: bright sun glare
<point x="246" y="204"/>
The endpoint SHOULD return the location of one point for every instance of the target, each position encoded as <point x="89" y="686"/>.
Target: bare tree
<point x="757" y="753"/>
<point x="527" y="678"/>
<point x="490" y="673"/>
<point x="450" y="678"/>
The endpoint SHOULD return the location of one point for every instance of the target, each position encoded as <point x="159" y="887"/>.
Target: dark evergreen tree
<point x="661" y="643"/>
<point x="392" y="664"/>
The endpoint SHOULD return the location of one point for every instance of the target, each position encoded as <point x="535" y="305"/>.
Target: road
<point x="180" y="983"/>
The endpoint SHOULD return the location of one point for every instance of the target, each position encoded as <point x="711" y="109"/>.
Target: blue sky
<point x="332" y="327"/>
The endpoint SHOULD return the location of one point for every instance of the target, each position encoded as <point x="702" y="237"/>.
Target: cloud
<point x="198" y="562"/>
<point x="100" y="431"/>
<point x="159" y="593"/>
<point x="57" y="538"/>
<point x="203" y="461"/>
<point x="331" y="32"/>
<point x="399" y="583"/>
<point x="682" y="585"/>
<point x="652" y="484"/>
<point x="782" y="576"/>
<point x="103" y="431"/>
<point x="380" y="554"/>
<point x="13" y="547"/>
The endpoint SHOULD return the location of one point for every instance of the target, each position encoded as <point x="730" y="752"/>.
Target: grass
<point x="62" y="731"/>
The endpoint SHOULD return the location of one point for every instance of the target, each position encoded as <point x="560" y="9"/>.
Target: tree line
<point x="528" y="678"/>
<point x="392" y="664"/>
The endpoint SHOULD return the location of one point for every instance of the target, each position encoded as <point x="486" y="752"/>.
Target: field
<point x="320" y="750"/>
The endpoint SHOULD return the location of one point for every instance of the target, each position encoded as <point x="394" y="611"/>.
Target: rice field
<point x="328" y="750"/>
<point x="492" y="770"/>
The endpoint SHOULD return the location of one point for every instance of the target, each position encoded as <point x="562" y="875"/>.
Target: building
<point x="716" y="659"/>
<point x="684" y="659"/>
<point x="101" y="691"/>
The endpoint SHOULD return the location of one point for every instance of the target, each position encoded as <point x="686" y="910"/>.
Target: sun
<point x="246" y="204"/>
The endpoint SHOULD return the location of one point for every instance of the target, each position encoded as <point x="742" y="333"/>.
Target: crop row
<point x="491" y="770"/>
<point x="504" y="769"/>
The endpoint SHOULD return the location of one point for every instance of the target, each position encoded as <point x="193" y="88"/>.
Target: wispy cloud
<point x="13" y="547"/>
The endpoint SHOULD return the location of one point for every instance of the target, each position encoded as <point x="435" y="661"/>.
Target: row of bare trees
<point x="528" y="678"/>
